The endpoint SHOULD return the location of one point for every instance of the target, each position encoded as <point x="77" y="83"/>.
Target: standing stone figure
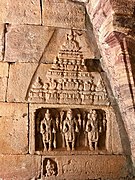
<point x="48" y="131"/>
<point x="70" y="127"/>
<point x="92" y="127"/>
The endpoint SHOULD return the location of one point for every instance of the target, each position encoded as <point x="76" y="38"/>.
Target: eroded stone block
<point x="20" y="79"/>
<point x="13" y="128"/>
<point x="67" y="15"/>
<point x="3" y="11"/>
<point x="23" y="12"/>
<point x="19" y="167"/>
<point x="1" y="41"/>
<point x="26" y="43"/>
<point x="3" y="80"/>
<point x="123" y="7"/>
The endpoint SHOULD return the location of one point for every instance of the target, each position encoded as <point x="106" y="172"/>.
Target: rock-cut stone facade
<point x="67" y="90"/>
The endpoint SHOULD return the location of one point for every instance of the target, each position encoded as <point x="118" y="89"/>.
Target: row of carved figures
<point x="70" y="127"/>
<point x="69" y="84"/>
<point x="68" y="91"/>
<point x="69" y="65"/>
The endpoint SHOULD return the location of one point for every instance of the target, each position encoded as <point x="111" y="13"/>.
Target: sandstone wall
<point x="31" y="34"/>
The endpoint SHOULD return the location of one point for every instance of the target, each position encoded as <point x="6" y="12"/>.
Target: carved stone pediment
<point x="68" y="79"/>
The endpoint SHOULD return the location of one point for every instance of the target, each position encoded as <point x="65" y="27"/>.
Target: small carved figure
<point x="61" y="128"/>
<point x="50" y="169"/>
<point x="70" y="127"/>
<point x="81" y="85"/>
<point x="59" y="84"/>
<point x="92" y="127"/>
<point x="55" y="64"/>
<point x="86" y="86"/>
<point x="71" y="43"/>
<point x="100" y="86"/>
<point x="80" y="127"/>
<point x="48" y="131"/>
<point x="52" y="84"/>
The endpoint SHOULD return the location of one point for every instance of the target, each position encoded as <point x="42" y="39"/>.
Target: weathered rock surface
<point x="13" y="128"/>
<point x="18" y="85"/>
<point x="65" y="15"/>
<point x="3" y="80"/>
<point x="26" y="43"/>
<point x="23" y="12"/>
<point x="19" y="167"/>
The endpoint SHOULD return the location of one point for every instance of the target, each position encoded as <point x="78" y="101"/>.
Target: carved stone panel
<point x="68" y="80"/>
<point x="68" y="130"/>
<point x="50" y="169"/>
<point x="81" y="168"/>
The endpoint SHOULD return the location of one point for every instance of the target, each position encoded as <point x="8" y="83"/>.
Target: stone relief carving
<point x="49" y="168"/>
<point x="70" y="129"/>
<point x="68" y="80"/>
<point x="48" y="131"/>
<point x="71" y="167"/>
<point x="93" y="129"/>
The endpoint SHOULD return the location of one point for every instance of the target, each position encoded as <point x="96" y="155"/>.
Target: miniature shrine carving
<point x="68" y="80"/>
<point x="50" y="168"/>
<point x="70" y="129"/>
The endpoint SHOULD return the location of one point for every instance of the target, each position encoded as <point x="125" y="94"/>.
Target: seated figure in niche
<point x="50" y="169"/>
<point x="48" y="131"/>
<point x="93" y="129"/>
<point x="70" y="128"/>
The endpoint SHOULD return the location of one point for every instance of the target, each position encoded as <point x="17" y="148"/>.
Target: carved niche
<point x="68" y="80"/>
<point x="70" y="129"/>
<point x="50" y="168"/>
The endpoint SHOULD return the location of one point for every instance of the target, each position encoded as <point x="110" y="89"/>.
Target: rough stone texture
<point x="65" y="15"/>
<point x="26" y="43"/>
<point x="123" y="7"/>
<point x="13" y="128"/>
<point x="90" y="167"/>
<point x="19" y="167"/>
<point x="3" y="10"/>
<point x="116" y="59"/>
<point x="3" y="80"/>
<point x="17" y="84"/>
<point x="23" y="12"/>
<point x="2" y="27"/>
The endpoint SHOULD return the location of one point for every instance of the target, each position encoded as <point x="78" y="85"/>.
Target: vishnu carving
<point x="70" y="128"/>
<point x="48" y="131"/>
<point x="93" y="129"/>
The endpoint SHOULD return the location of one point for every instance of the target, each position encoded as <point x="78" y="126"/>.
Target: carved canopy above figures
<point x="68" y="79"/>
